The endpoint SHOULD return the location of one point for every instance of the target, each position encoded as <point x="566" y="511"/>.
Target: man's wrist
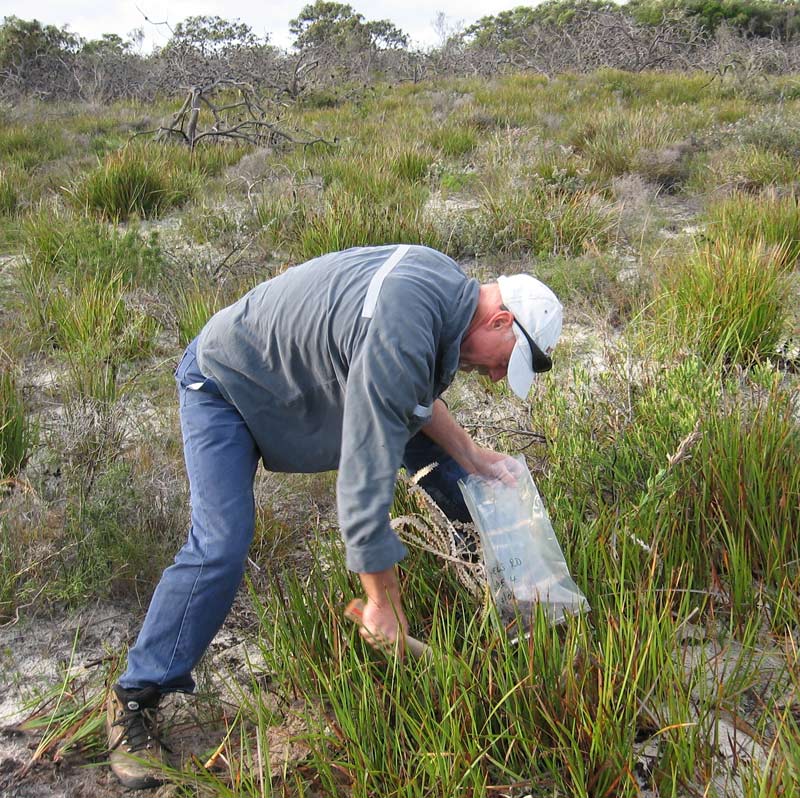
<point x="382" y="588"/>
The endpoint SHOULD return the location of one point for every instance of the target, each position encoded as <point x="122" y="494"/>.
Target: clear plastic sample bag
<point x="524" y="563"/>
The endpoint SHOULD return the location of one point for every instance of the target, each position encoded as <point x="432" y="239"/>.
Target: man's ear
<point x="501" y="319"/>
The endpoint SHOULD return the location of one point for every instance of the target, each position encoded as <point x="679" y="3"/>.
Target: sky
<point x="92" y="18"/>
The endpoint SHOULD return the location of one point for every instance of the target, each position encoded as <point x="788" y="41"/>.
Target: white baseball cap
<point x="538" y="314"/>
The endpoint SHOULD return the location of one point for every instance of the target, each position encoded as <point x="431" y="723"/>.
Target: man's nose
<point x="497" y="374"/>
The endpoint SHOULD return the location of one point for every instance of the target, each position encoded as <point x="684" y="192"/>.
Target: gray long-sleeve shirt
<point x="322" y="387"/>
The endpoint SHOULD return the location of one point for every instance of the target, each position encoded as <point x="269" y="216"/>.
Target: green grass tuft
<point x="770" y="217"/>
<point x="135" y="182"/>
<point x="16" y="431"/>
<point x="60" y="246"/>
<point x="541" y="221"/>
<point x="97" y="332"/>
<point x="29" y="146"/>
<point x="9" y="196"/>
<point x="305" y="229"/>
<point x="736" y="498"/>
<point x="727" y="300"/>
<point x="747" y="168"/>
<point x="194" y="305"/>
<point x="615" y="142"/>
<point x="454" y="141"/>
<point x="411" y="165"/>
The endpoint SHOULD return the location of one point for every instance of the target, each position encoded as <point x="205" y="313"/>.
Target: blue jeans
<point x="196" y="592"/>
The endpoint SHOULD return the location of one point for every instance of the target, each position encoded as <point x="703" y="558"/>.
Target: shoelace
<point x="138" y="729"/>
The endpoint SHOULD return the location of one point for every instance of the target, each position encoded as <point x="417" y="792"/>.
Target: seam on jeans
<point x="201" y="567"/>
<point x="189" y="447"/>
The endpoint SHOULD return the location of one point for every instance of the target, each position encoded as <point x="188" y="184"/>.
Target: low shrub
<point x="773" y="130"/>
<point x="118" y="536"/>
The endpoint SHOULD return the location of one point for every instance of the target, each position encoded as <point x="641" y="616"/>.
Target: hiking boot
<point x="137" y="754"/>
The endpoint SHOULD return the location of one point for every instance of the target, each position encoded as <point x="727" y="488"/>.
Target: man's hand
<point x="383" y="625"/>
<point x="383" y="618"/>
<point x="494" y="465"/>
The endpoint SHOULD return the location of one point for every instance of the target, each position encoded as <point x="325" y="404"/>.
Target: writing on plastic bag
<point x="524" y="562"/>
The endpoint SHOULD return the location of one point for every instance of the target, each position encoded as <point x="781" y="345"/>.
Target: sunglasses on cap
<point x="540" y="362"/>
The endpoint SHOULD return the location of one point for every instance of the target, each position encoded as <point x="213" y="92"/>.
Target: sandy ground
<point x="36" y="654"/>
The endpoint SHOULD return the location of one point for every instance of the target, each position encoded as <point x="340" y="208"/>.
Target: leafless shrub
<point x="590" y="40"/>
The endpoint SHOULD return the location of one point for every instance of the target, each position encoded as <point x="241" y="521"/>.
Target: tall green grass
<point x="738" y="497"/>
<point x="770" y="217"/>
<point x="97" y="332"/>
<point x="682" y="474"/>
<point x="541" y="221"/>
<point x="411" y="165"/>
<point x="148" y="181"/>
<point x="614" y="141"/>
<point x="727" y="300"/>
<point x="59" y="246"/>
<point x="16" y="430"/>
<point x="9" y="195"/>
<point x="746" y="167"/>
<point x="29" y="146"/>
<point x="72" y="281"/>
<point x="134" y="182"/>
<point x="453" y="140"/>
<point x="305" y="229"/>
<point x="195" y="303"/>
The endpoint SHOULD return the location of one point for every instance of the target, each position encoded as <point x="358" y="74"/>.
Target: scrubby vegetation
<point x="662" y="208"/>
